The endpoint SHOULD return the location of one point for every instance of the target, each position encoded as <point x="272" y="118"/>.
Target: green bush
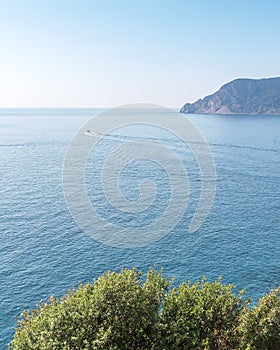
<point x="202" y="316"/>
<point x="123" y="311"/>
<point x="260" y="325"/>
<point x="119" y="311"/>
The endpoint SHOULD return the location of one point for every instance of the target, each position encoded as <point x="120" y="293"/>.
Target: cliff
<point x="240" y="96"/>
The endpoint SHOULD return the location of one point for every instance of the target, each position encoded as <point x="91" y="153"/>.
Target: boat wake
<point x="139" y="138"/>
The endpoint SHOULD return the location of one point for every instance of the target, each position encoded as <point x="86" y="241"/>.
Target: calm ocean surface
<point x="43" y="252"/>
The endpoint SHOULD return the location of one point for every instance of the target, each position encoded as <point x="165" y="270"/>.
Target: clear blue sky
<point x="86" y="53"/>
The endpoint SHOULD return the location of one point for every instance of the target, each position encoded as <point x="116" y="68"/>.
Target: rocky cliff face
<point x="240" y="96"/>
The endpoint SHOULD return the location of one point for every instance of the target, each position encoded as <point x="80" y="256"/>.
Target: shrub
<point x="123" y="311"/>
<point x="119" y="311"/>
<point x="260" y="325"/>
<point x="202" y="316"/>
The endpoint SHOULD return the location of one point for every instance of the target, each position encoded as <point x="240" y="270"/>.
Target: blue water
<point x="43" y="252"/>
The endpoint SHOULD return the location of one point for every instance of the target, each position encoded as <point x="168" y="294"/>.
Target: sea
<point x="43" y="250"/>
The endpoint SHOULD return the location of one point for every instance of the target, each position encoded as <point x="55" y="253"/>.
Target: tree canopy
<point x="122" y="311"/>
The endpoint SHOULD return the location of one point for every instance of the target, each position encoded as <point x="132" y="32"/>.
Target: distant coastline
<point x="240" y="96"/>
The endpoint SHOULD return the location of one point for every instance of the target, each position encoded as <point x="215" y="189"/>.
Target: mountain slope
<point x="240" y="96"/>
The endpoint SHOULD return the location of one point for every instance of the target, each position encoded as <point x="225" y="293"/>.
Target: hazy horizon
<point x="98" y="55"/>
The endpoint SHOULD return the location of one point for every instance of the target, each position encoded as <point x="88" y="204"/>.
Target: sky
<point x="106" y="53"/>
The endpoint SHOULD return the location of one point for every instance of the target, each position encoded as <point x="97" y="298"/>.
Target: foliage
<point x="119" y="311"/>
<point x="261" y="325"/>
<point x="122" y="311"/>
<point x="202" y="316"/>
